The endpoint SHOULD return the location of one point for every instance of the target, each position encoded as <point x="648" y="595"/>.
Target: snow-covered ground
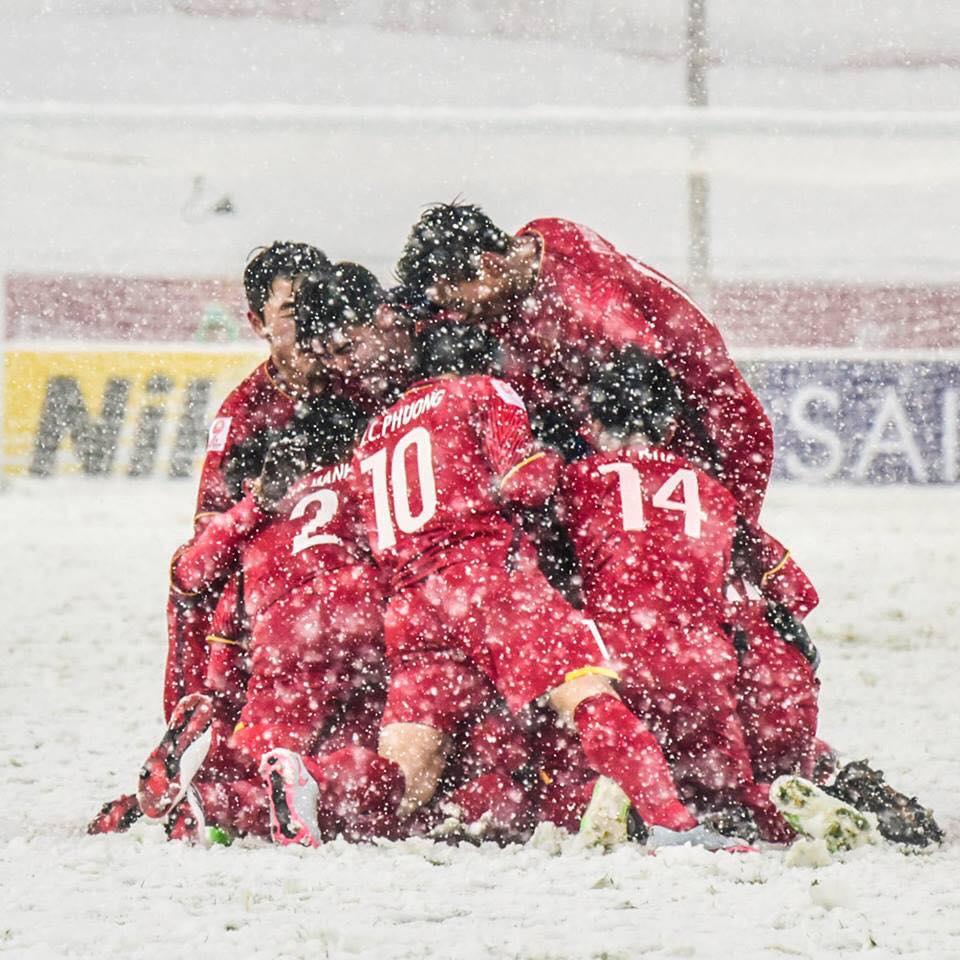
<point x="82" y="588"/>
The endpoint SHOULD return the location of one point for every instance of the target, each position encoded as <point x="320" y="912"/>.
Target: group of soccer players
<point x="483" y="551"/>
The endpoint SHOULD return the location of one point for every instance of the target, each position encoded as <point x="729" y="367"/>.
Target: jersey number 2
<point x="402" y="514"/>
<point x="631" y="497"/>
<point x="327" y="503"/>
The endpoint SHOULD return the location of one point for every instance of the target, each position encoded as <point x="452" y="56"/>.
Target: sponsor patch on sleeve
<point x="219" y="430"/>
<point x="508" y="395"/>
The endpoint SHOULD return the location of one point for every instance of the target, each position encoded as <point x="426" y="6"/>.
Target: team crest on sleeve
<point x="508" y="395"/>
<point x="219" y="429"/>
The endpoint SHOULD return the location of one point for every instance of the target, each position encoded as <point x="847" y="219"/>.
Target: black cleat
<point x="901" y="819"/>
<point x="732" y="821"/>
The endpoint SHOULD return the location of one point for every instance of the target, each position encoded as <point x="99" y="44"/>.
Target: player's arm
<point x="527" y="473"/>
<point x="212" y="554"/>
<point x="768" y="564"/>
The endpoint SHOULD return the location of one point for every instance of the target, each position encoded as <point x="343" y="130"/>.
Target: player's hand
<point x="286" y="461"/>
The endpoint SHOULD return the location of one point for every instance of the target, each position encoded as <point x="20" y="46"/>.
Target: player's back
<point x="314" y="531"/>
<point x="429" y="468"/>
<point x="651" y="531"/>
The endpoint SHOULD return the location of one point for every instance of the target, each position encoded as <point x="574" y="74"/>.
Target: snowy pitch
<point x="83" y="590"/>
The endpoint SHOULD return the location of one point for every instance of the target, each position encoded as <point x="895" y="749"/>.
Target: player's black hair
<point x="634" y="393"/>
<point x="559" y="430"/>
<point x="322" y="432"/>
<point x="281" y="259"/>
<point x="446" y="244"/>
<point x="460" y="348"/>
<point x="328" y="301"/>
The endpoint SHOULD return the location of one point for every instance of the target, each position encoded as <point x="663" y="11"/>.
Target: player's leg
<point x="303" y="656"/>
<point x="535" y="643"/>
<point x="420" y="751"/>
<point x="777" y="695"/>
<point x="189" y="620"/>
<point x="619" y="746"/>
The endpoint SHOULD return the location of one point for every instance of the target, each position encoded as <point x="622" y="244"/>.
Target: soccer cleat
<point x="698" y="836"/>
<point x="292" y="794"/>
<point x="900" y="819"/>
<point x="168" y="770"/>
<point x="609" y="819"/>
<point x="186" y="821"/>
<point x="735" y="822"/>
<point x="117" y="816"/>
<point x="815" y="814"/>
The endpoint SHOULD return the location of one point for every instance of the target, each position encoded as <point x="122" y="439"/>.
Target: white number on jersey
<point x="402" y="515"/>
<point x="631" y="497"/>
<point x="326" y="510"/>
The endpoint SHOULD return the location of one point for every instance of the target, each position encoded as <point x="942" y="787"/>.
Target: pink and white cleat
<point x="292" y="794"/>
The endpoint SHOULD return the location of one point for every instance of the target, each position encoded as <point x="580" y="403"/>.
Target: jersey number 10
<point x="401" y="515"/>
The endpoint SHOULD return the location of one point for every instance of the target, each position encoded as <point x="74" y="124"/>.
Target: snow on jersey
<point x="651" y="531"/>
<point x="588" y="294"/>
<point x="434" y="468"/>
<point x="314" y="530"/>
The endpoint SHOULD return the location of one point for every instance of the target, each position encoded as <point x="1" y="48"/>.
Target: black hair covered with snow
<point x="446" y="244"/>
<point x="326" y="302"/>
<point x="634" y="393"/>
<point x="281" y="259"/>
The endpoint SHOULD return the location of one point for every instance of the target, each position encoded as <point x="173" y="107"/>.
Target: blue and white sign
<point x="865" y="421"/>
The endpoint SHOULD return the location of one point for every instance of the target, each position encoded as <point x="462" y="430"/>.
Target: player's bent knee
<point x="420" y="752"/>
<point x="571" y="693"/>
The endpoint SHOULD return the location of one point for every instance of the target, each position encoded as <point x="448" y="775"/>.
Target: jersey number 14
<point x="631" y="497"/>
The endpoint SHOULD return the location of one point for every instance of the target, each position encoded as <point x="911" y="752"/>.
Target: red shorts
<point x="472" y="622"/>
<point x="308" y="651"/>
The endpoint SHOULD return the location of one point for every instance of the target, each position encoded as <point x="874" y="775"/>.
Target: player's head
<point x="329" y="302"/>
<point x="459" y="348"/>
<point x="446" y="244"/>
<point x="458" y="258"/>
<point x="360" y="337"/>
<point x="634" y="395"/>
<point x="321" y="432"/>
<point x="268" y="280"/>
<point x="281" y="261"/>
<point x="244" y="461"/>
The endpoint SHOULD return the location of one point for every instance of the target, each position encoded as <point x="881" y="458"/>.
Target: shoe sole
<point x="818" y="816"/>
<point x="605" y="822"/>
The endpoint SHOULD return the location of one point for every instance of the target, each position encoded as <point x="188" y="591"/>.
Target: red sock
<point x="617" y="745"/>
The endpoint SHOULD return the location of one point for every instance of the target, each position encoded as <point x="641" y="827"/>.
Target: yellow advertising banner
<point x="114" y="412"/>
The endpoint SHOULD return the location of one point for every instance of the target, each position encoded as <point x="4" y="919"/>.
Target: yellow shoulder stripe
<point x="773" y="571"/>
<point x="213" y="638"/>
<point x="519" y="466"/>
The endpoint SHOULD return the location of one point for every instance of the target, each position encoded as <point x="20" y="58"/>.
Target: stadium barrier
<point x="869" y="392"/>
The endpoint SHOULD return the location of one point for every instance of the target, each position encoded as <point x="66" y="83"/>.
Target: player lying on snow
<point x="356" y="785"/>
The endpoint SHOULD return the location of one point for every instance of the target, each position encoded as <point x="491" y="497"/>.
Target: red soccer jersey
<point x="314" y="530"/>
<point x="258" y="403"/>
<point x="653" y="534"/>
<point x="588" y="294"/>
<point x="434" y="469"/>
